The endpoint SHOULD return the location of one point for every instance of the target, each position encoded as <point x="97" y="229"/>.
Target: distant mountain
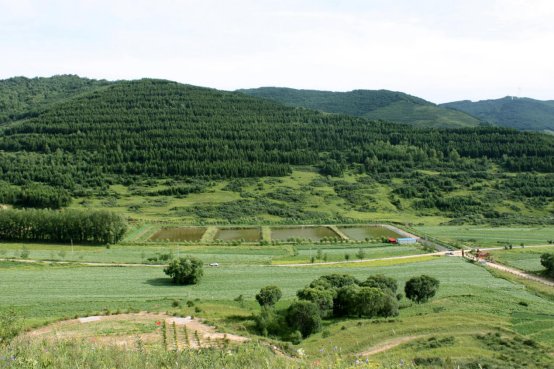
<point x="371" y="104"/>
<point x="22" y="96"/>
<point x="520" y="113"/>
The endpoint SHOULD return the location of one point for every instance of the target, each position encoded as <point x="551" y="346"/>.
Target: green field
<point x="527" y="259"/>
<point x="479" y="236"/>
<point x="50" y="291"/>
<point x="337" y="252"/>
<point x="473" y="309"/>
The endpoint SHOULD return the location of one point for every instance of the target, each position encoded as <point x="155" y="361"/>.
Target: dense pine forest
<point x="22" y="97"/>
<point x="129" y="132"/>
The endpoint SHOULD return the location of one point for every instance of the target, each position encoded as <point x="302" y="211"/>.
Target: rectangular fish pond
<point x="361" y="233"/>
<point x="248" y="234"/>
<point x="178" y="234"/>
<point x="315" y="233"/>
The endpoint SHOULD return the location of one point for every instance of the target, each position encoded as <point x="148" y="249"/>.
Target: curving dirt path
<point x="517" y="272"/>
<point x="387" y="345"/>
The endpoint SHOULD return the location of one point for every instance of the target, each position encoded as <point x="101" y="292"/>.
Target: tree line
<point x="96" y="226"/>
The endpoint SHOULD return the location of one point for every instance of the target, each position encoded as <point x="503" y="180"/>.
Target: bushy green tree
<point x="345" y="301"/>
<point x="269" y="295"/>
<point x="422" y="288"/>
<point x="547" y="261"/>
<point x="187" y="270"/>
<point x="323" y="298"/>
<point x="380" y="281"/>
<point x="304" y="316"/>
<point x="267" y="322"/>
<point x="368" y="301"/>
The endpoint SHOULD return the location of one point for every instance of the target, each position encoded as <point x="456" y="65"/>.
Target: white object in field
<point x="214" y="264"/>
<point x="89" y="319"/>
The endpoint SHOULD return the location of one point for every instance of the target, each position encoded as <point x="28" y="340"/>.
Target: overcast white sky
<point x="441" y="50"/>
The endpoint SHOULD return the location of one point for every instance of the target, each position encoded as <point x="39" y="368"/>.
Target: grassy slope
<point x="321" y="199"/>
<point x="381" y="104"/>
<point x="520" y="113"/>
<point x="47" y="292"/>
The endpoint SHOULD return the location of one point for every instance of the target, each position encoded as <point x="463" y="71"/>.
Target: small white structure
<point x="406" y="240"/>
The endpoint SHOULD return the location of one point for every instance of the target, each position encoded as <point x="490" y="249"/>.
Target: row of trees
<point x="96" y="226"/>
<point x="34" y="195"/>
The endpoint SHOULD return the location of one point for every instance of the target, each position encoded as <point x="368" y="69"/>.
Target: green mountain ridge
<point x="191" y="140"/>
<point x="371" y="104"/>
<point x="21" y="97"/>
<point x="519" y="113"/>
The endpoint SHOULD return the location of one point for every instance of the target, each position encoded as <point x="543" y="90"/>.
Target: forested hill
<point x="371" y="104"/>
<point x="161" y="129"/>
<point x="21" y="96"/>
<point x="520" y="113"/>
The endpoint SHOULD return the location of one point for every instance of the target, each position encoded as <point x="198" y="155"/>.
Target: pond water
<point x="249" y="235"/>
<point x="315" y="233"/>
<point x="360" y="233"/>
<point x="179" y="234"/>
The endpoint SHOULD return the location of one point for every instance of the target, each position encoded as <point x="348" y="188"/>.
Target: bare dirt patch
<point x="132" y="330"/>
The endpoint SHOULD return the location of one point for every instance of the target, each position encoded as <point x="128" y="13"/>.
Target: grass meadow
<point x="47" y="292"/>
<point x="527" y="259"/>
<point x="476" y="236"/>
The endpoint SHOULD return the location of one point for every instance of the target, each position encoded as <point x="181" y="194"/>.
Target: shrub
<point x="296" y="337"/>
<point x="422" y="288"/>
<point x="25" y="252"/>
<point x="368" y="301"/>
<point x="187" y="270"/>
<point x="269" y="295"/>
<point x="10" y="325"/>
<point x="380" y="281"/>
<point x="304" y="317"/>
<point x="323" y="298"/>
<point x="267" y="322"/>
<point x="547" y="261"/>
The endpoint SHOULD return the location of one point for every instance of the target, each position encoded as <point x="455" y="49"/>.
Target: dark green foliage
<point x="334" y="280"/>
<point x="154" y="128"/>
<point x="22" y="97"/>
<point x="304" y="316"/>
<point x="269" y="295"/>
<point x="267" y="322"/>
<point x="381" y="104"/>
<point x="97" y="226"/>
<point x="369" y="301"/>
<point x="547" y="261"/>
<point x="34" y="195"/>
<point x="187" y="270"/>
<point x="345" y="301"/>
<point x="381" y="281"/>
<point x="520" y="113"/>
<point x="422" y="288"/>
<point x="343" y="295"/>
<point x="323" y="298"/>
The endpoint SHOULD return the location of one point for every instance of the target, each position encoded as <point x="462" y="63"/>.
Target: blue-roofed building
<point x="406" y="240"/>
